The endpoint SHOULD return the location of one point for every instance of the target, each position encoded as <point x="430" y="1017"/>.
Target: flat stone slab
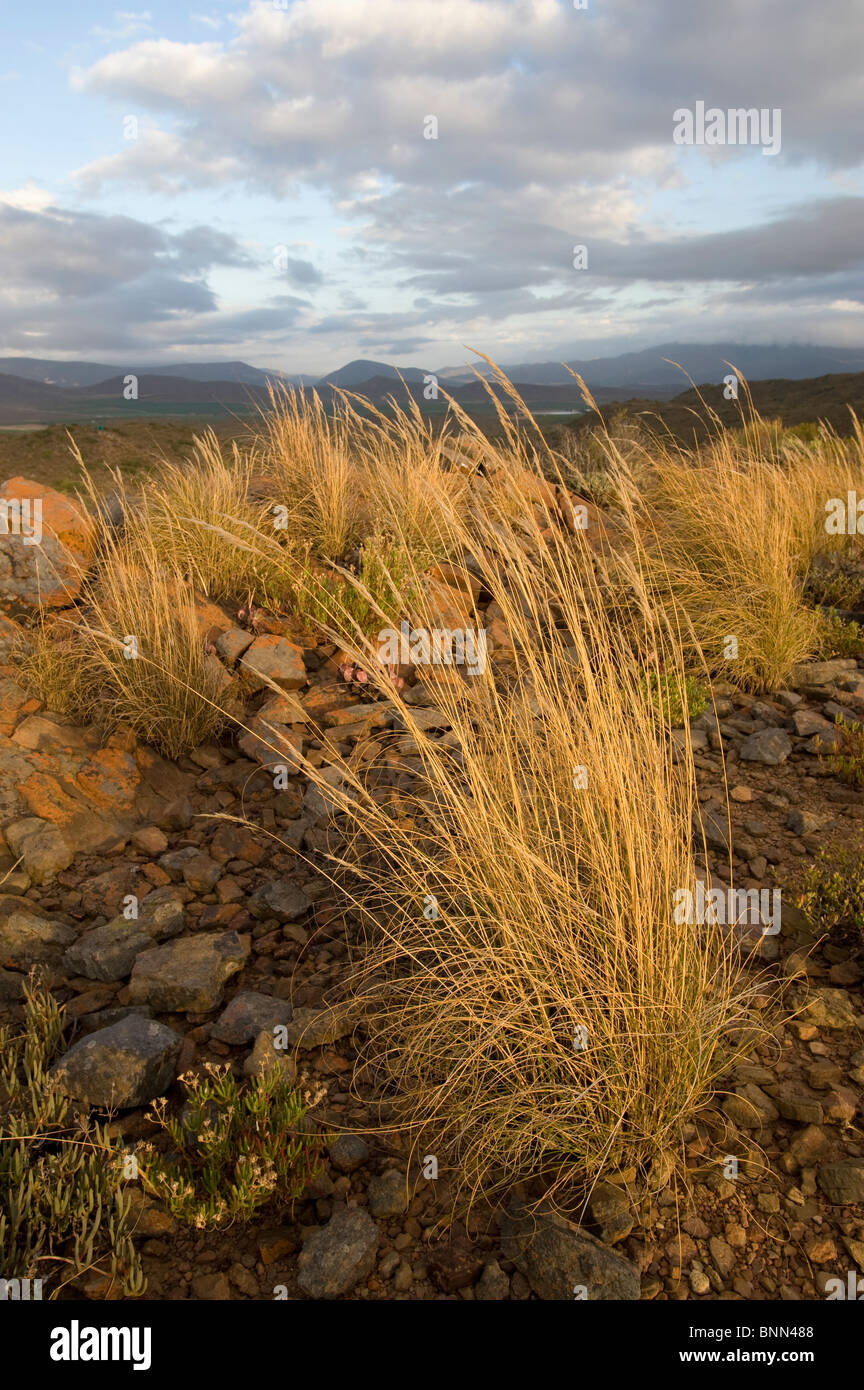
<point x="277" y="660"/>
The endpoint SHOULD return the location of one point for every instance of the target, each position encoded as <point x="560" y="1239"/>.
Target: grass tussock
<point x="133" y="652"/>
<point x="728" y="558"/>
<point x="530" y="996"/>
<point x="191" y="504"/>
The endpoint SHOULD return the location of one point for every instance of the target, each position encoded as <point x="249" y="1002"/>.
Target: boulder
<point x="128" y="1064"/>
<point x="187" y="974"/>
<point x="45" y="568"/>
<point x="340" y="1254"/>
<point x="559" y="1259"/>
<point x="247" y="1015"/>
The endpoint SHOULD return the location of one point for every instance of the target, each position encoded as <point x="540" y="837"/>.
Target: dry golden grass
<point x="133" y="652"/>
<point x="189" y="506"/>
<point x="728" y="558"/>
<point x="310" y="460"/>
<point x="529" y="993"/>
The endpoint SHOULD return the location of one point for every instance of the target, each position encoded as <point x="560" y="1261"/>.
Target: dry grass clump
<point x="133" y="651"/>
<point x="191" y="504"/>
<point x="310" y="460"/>
<point x="743" y="545"/>
<point x="728" y="556"/>
<point x="531" y="997"/>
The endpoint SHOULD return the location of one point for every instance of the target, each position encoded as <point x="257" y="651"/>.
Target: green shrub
<point x="334" y="602"/>
<point x="234" y="1149"/>
<point x="833" y="893"/>
<point x="63" y="1208"/>
<point x="839" y="638"/>
<point x="666" y="695"/>
<point x="848" y="760"/>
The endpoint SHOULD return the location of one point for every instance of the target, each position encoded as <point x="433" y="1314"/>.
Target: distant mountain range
<point x="41" y="389"/>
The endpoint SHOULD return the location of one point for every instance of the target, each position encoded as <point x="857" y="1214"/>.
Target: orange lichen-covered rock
<point x="46" y="546"/>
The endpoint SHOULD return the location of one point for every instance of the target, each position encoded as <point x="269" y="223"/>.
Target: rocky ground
<point x="239" y="929"/>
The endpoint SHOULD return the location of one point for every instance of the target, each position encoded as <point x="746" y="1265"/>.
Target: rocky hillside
<point x="186" y="909"/>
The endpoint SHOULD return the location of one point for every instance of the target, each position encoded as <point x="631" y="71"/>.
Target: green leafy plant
<point x="833" y="892"/>
<point x="671" y="701"/>
<point x="63" y="1205"/>
<point x="234" y="1149"/>
<point x="838" y="637"/>
<point x="848" y="759"/>
<point x="333" y="601"/>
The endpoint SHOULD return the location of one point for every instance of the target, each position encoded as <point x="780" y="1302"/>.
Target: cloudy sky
<point x="254" y="180"/>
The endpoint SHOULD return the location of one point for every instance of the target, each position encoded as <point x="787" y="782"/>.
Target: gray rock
<point x="749" y="1108"/>
<point x="843" y="1182"/>
<point x="822" y="673"/>
<point x="175" y="861"/>
<point x="128" y="1064"/>
<point x="187" y="974"/>
<point x="247" y="1015"/>
<point x="610" y="1211"/>
<point x="771" y="746"/>
<point x="388" y="1194"/>
<point x="340" y="1254"/>
<point x="320" y="1027"/>
<point x="796" y="1103"/>
<point x="830" y="1008"/>
<point x="108" y="952"/>
<point x="804" y="822"/>
<point x="201" y="873"/>
<point x="42" y="848"/>
<point x="280" y="899"/>
<point x="266" y="1057"/>
<point x="348" y="1152"/>
<point x="27" y="940"/>
<point x="273" y="659"/>
<point x="493" y="1285"/>
<point x="711" y="823"/>
<point x="807" y="722"/>
<point x="162" y="913"/>
<point x="557" y="1258"/>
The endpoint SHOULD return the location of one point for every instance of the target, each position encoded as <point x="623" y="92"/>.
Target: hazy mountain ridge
<point x="39" y="390"/>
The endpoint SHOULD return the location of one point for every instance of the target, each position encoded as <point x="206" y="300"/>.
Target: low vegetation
<point x="235" y="1148"/>
<point x="64" y="1203"/>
